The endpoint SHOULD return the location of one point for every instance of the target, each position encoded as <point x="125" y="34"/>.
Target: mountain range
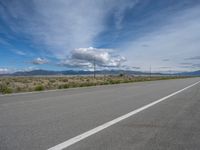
<point x="101" y="72"/>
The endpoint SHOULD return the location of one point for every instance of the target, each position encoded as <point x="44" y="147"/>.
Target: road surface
<point x="40" y="121"/>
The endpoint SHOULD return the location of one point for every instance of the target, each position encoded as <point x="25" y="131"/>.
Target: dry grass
<point x="28" y="84"/>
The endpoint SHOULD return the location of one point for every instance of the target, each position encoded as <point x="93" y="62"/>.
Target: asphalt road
<point x="39" y="121"/>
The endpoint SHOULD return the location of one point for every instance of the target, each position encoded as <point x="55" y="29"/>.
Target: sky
<point x="163" y="35"/>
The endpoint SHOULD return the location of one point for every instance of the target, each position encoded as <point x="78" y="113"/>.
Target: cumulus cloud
<point x="74" y="63"/>
<point x="40" y="61"/>
<point x="86" y="57"/>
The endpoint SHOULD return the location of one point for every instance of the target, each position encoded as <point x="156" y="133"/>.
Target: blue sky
<point x="122" y="34"/>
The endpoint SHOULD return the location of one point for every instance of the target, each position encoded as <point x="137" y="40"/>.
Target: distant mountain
<point x="194" y="73"/>
<point x="74" y="72"/>
<point x="34" y="73"/>
<point x="101" y="72"/>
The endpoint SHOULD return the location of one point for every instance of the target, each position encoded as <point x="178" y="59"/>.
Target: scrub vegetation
<point x="28" y="84"/>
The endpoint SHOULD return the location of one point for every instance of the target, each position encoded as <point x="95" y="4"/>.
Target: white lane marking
<point x="110" y="123"/>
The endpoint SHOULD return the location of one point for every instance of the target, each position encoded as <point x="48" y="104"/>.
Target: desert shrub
<point x="52" y="81"/>
<point x="4" y="89"/>
<point x="39" y="88"/>
<point x="87" y="84"/>
<point x="105" y="83"/>
<point x="73" y="84"/>
<point x="18" y="89"/>
<point x="65" y="80"/>
<point x="114" y="81"/>
<point x="65" y="86"/>
<point x="82" y="79"/>
<point x="121" y="75"/>
<point x="25" y="84"/>
<point x="60" y="86"/>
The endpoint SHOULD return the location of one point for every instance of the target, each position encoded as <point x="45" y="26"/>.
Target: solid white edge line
<point x="110" y="123"/>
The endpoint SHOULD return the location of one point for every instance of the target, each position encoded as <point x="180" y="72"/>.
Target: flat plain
<point x="40" y="83"/>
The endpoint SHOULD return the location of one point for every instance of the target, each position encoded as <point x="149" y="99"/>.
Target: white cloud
<point x="19" y="52"/>
<point x="62" y="25"/>
<point x="86" y="57"/>
<point x="4" y="70"/>
<point x="12" y="70"/>
<point x="121" y="8"/>
<point x="73" y="63"/>
<point x="176" y="40"/>
<point x="40" y="61"/>
<point x="30" y="68"/>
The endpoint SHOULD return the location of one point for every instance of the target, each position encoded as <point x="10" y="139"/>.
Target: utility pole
<point x="150" y="71"/>
<point x="94" y="65"/>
